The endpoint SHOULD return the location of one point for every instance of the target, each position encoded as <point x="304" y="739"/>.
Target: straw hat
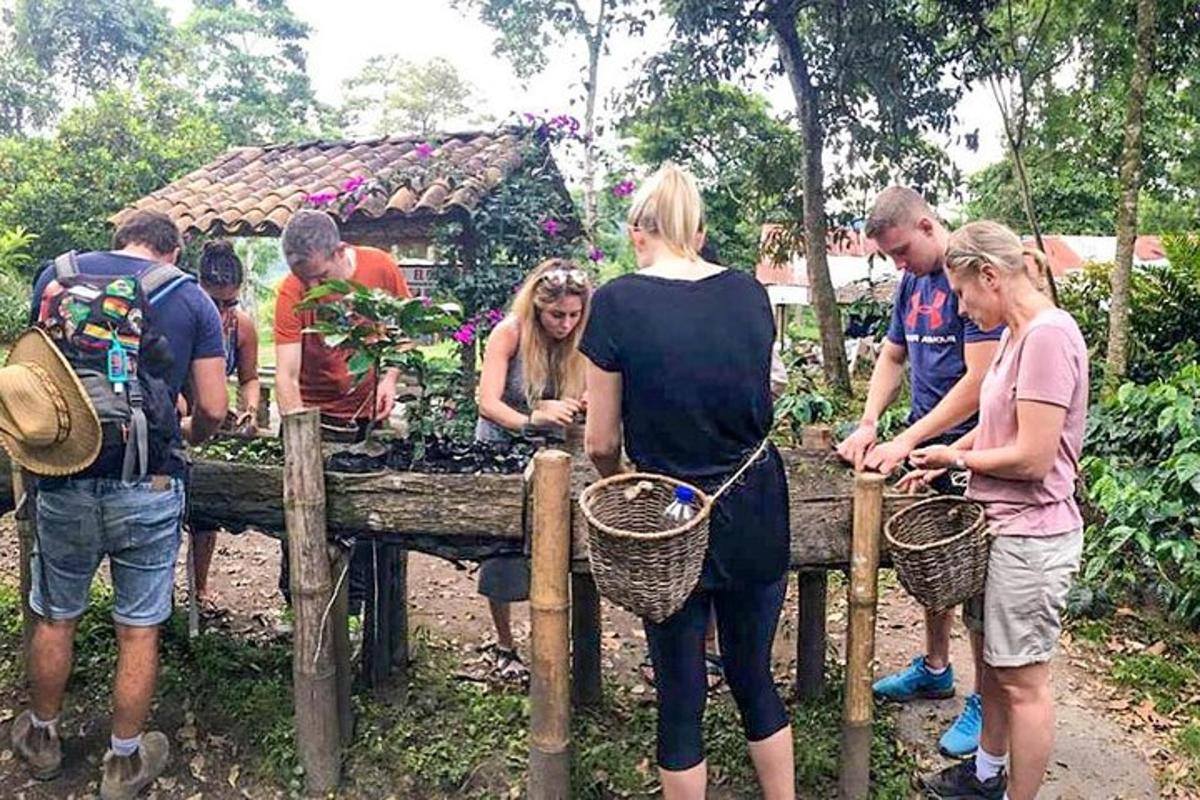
<point x="47" y="423"/>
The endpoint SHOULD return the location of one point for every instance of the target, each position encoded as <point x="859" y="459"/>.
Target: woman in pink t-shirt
<point x="1023" y="458"/>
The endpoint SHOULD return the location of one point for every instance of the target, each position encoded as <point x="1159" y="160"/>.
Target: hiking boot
<point x="125" y="776"/>
<point x="39" y="748"/>
<point x="962" y="738"/>
<point x="958" y="782"/>
<point x="915" y="682"/>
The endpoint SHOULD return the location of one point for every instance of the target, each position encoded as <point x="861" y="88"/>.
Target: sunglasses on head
<point x="562" y="276"/>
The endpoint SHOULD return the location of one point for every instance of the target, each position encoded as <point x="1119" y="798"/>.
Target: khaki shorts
<point x="1027" y="584"/>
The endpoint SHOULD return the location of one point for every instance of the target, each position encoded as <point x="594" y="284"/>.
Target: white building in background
<point x="853" y="258"/>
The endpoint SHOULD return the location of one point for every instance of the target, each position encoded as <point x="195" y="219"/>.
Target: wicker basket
<point x="940" y="549"/>
<point x="637" y="562"/>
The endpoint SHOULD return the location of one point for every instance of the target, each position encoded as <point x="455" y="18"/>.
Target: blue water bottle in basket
<point x="682" y="508"/>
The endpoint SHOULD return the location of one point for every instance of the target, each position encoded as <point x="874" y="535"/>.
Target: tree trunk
<point x="595" y="40"/>
<point x="829" y="319"/>
<point x="1130" y="182"/>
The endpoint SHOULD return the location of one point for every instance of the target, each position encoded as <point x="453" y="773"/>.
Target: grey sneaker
<point x="958" y="782"/>
<point x="40" y="748"/>
<point x="125" y="776"/>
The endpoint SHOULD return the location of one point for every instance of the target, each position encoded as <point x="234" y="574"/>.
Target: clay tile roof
<point x="253" y="191"/>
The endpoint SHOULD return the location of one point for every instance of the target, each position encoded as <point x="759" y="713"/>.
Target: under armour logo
<point x="932" y="311"/>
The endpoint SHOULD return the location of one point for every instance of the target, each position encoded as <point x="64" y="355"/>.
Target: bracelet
<point x="960" y="462"/>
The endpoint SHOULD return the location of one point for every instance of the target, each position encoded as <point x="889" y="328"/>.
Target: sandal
<point x="506" y="664"/>
<point x="714" y="671"/>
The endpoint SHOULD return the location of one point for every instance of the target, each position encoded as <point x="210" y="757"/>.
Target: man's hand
<point x="886" y="457"/>
<point x="937" y="457"/>
<point x="854" y="448"/>
<point x="918" y="480"/>
<point x="385" y="399"/>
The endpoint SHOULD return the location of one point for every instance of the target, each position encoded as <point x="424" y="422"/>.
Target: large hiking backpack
<point x="102" y="326"/>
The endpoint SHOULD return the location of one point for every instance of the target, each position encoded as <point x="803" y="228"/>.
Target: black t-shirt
<point x="695" y="363"/>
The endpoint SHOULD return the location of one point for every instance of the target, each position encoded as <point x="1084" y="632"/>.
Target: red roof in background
<point x="1062" y="258"/>
<point x="1148" y="248"/>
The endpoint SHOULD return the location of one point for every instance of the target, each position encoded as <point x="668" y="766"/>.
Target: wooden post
<point x="377" y="615"/>
<point x="398" y="616"/>
<point x="860" y="636"/>
<point x="550" y="702"/>
<point x="810" y="633"/>
<point x="314" y="676"/>
<point x="585" y="640"/>
<point x="26" y="517"/>
<point x="339" y="620"/>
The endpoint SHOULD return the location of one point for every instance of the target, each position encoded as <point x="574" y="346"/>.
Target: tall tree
<point x="849" y="97"/>
<point x="746" y="160"/>
<point x="89" y="44"/>
<point x="246" y="59"/>
<point x="527" y="28"/>
<point x="1130" y="184"/>
<point x="392" y="95"/>
<point x="105" y="153"/>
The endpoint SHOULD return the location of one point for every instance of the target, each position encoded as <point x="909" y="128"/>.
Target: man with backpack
<point x="133" y="327"/>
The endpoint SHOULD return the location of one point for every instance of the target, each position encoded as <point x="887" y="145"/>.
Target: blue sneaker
<point x="915" y="682"/>
<point x="962" y="738"/>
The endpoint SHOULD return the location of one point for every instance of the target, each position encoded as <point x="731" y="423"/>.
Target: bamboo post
<point x="585" y="640"/>
<point x="398" y="616"/>
<point x="550" y="706"/>
<point x="339" y="619"/>
<point x="314" y="675"/>
<point x="26" y="518"/>
<point x="860" y="636"/>
<point x="810" y="633"/>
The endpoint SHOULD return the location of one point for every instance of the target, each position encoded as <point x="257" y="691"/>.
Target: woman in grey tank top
<point x="532" y="384"/>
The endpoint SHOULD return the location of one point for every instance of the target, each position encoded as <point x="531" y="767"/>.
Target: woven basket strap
<point x="758" y="451"/>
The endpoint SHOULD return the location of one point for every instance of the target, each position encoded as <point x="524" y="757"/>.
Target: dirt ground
<point x="1095" y="758"/>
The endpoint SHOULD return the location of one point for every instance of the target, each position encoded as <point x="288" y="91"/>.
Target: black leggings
<point x="746" y="622"/>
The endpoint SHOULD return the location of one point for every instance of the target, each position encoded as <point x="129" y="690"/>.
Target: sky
<point x="345" y="33"/>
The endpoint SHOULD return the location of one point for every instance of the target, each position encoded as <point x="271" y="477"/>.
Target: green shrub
<point x="14" y="288"/>
<point x="1164" y="318"/>
<point x="1142" y="473"/>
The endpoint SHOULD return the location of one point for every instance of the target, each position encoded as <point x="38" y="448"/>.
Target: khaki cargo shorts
<point x="1020" y="611"/>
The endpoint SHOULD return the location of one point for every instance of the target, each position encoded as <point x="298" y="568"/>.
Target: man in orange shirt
<point x="307" y="372"/>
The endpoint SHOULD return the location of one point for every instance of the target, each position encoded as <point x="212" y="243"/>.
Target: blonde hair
<point x="987" y="242"/>
<point x="896" y="206"/>
<point x="668" y="206"/>
<point x="546" y="361"/>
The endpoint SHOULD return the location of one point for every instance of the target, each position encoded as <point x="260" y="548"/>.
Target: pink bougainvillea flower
<point x="465" y="334"/>
<point x="551" y="227"/>
<point x="530" y="117"/>
<point x="596" y="254"/>
<point x="424" y="150"/>
<point x="353" y="183"/>
<point x="321" y="198"/>
<point x="623" y="189"/>
<point x="495" y="316"/>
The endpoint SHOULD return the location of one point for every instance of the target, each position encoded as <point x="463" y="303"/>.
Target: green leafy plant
<point x="1142" y="476"/>
<point x="380" y="330"/>
<point x="15" y="258"/>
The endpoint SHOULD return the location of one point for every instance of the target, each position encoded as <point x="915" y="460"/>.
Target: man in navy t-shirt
<point x="947" y="357"/>
<point x="84" y="518"/>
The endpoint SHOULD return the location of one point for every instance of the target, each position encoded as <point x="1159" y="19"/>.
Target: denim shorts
<point x="80" y="521"/>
